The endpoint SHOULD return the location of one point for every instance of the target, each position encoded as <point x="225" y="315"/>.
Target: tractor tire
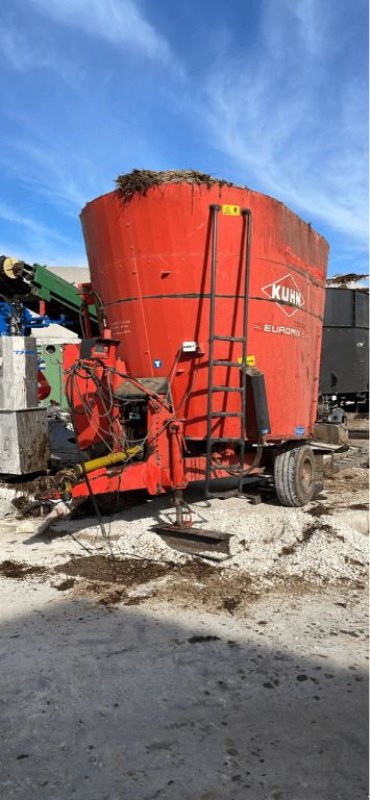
<point x="295" y="476"/>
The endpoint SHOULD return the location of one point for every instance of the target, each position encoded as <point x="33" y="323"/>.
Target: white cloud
<point x="37" y="241"/>
<point x="119" y="22"/>
<point x="291" y="125"/>
<point x="36" y="251"/>
<point x="285" y="120"/>
<point x="18" y="52"/>
<point x="12" y="215"/>
<point x="311" y="18"/>
<point x="60" y="174"/>
<point x="23" y="51"/>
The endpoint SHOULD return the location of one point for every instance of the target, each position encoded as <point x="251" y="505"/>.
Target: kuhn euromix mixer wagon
<point x="210" y="299"/>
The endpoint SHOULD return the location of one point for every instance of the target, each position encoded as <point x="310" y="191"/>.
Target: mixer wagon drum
<point x="218" y="292"/>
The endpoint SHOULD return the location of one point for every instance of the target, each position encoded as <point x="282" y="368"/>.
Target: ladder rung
<point x="226" y="389"/>
<point x="228" y="338"/>
<point x="226" y="414"/>
<point x="222" y="363"/>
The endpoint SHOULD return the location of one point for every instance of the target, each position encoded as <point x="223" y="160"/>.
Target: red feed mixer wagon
<point x="210" y="299"/>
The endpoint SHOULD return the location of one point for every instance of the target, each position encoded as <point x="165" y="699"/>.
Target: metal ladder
<point x="215" y="337"/>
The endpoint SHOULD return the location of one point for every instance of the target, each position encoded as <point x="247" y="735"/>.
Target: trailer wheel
<point x="295" y="476"/>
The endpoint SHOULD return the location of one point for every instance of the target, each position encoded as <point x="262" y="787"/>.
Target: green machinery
<point x="40" y="290"/>
<point x="51" y="362"/>
<point x="62" y="297"/>
<point x="58" y="295"/>
<point x="34" y="288"/>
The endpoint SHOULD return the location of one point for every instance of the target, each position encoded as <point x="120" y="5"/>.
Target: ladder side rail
<point x="214" y="209"/>
<point x="247" y="215"/>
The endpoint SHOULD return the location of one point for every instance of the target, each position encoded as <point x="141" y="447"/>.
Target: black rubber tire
<point x="295" y="476"/>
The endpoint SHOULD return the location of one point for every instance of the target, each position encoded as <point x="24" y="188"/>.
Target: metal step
<point x="228" y="338"/>
<point x="224" y="414"/>
<point x="223" y="363"/>
<point x="226" y="389"/>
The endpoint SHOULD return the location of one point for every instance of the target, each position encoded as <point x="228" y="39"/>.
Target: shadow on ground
<point x="125" y="705"/>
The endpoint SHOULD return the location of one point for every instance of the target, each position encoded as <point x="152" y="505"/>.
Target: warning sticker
<point x="231" y="211"/>
<point x="250" y="360"/>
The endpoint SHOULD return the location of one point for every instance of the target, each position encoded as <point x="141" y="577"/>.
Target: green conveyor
<point x="45" y="285"/>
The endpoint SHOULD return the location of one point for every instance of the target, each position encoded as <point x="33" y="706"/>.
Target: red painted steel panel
<point x="150" y="261"/>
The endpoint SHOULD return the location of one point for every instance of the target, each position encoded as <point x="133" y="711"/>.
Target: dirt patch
<point x="26" y="506"/>
<point x="21" y="502"/>
<point x="192" y="585"/>
<point x="108" y="580"/>
<point x="106" y="594"/>
<point x="307" y="533"/>
<point x="217" y="591"/>
<point x="103" y="569"/>
<point x="319" y="510"/>
<point x="199" y="570"/>
<point x="359" y="420"/>
<point x="311" y="529"/>
<point x="112" y="598"/>
<point x="359" y="507"/>
<point x="131" y="571"/>
<point x="196" y="639"/>
<point x="230" y="604"/>
<point x="65" y="585"/>
<point x="19" y="570"/>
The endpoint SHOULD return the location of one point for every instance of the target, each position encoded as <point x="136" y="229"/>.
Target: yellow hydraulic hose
<point x="68" y="477"/>
<point x="106" y="461"/>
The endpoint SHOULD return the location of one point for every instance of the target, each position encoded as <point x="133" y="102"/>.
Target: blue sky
<point x="268" y="93"/>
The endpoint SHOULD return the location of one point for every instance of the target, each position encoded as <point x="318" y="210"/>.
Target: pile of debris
<point x="139" y="181"/>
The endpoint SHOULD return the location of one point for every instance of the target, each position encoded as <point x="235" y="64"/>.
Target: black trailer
<point x="344" y="372"/>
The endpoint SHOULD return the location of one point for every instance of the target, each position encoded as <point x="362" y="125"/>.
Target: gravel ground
<point x="359" y="421"/>
<point x="165" y="675"/>
<point x="139" y="703"/>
